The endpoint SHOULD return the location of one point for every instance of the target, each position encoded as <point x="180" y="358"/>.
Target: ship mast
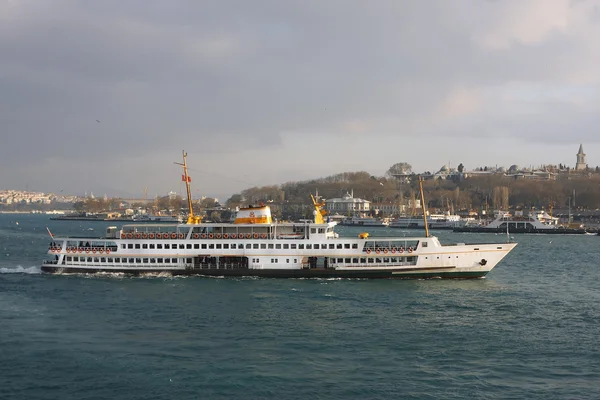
<point x="423" y="206"/>
<point x="192" y="219"/>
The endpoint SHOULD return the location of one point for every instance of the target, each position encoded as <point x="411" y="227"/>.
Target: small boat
<point x="364" y="221"/>
<point x="520" y="223"/>
<point x="254" y="245"/>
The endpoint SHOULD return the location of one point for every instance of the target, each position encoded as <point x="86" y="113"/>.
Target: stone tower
<point x="581" y="164"/>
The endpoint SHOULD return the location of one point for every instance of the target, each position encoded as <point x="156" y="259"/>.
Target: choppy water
<point x="529" y="330"/>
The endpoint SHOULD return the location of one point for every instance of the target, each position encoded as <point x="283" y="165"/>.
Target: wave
<point x="20" y="270"/>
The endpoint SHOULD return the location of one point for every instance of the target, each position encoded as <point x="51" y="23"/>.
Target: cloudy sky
<point x="103" y="96"/>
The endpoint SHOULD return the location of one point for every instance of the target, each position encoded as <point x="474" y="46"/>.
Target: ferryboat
<point x="254" y="245"/>
<point x="519" y="223"/>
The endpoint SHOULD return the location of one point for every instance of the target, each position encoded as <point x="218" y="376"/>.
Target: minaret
<point x="581" y="164"/>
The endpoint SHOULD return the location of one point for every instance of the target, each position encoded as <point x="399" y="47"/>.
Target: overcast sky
<point x="263" y="92"/>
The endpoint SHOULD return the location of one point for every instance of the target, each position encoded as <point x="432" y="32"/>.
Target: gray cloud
<point x="265" y="92"/>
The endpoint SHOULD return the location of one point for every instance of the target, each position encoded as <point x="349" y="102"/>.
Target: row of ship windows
<point x="273" y="260"/>
<point x="291" y="246"/>
<point x="375" y="260"/>
<point x="124" y="260"/>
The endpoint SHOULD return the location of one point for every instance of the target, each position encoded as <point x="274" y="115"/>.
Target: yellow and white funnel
<point x="254" y="215"/>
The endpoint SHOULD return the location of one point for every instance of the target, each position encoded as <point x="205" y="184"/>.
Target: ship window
<point x="321" y="230"/>
<point x="355" y="245"/>
<point x="117" y="260"/>
<point x="386" y="260"/>
<point x="293" y="246"/>
<point x="96" y="259"/>
<point x="145" y="261"/>
<point x="196" y="245"/>
<point x="278" y="246"/>
<point x="263" y="245"/>
<point x="145" y="246"/>
<point x="347" y="261"/>
<point x="167" y="260"/>
<point x="188" y="246"/>
<point x="225" y="245"/>
<point x="287" y="260"/>
<point x="248" y="246"/>
<point x="181" y="246"/>
<point x="271" y="246"/>
<point x="167" y="246"/>
<point x="295" y="260"/>
<point x="355" y="260"/>
<point x="211" y="246"/>
<point x="159" y="260"/>
<point x="69" y="259"/>
<point x="103" y="259"/>
<point x="233" y="246"/>
<point x="218" y="245"/>
<point x="371" y="260"/>
<point x="340" y="260"/>
<point x="173" y="261"/>
<point x="138" y="260"/>
<point x="363" y="260"/>
<point x="313" y="230"/>
<point x="378" y="260"/>
<point x="255" y="246"/>
<point x="188" y="260"/>
<point x="499" y="248"/>
<point x="301" y="246"/>
<point x="130" y="245"/>
<point x="476" y="248"/>
<point x="316" y="246"/>
<point x="137" y="245"/>
<point x="153" y="261"/>
<point x="159" y="245"/>
<point x="308" y="246"/>
<point x="286" y="246"/>
<point x="331" y="246"/>
<point x="424" y="244"/>
<point x="339" y="246"/>
<point x="272" y="260"/>
<point x="152" y="245"/>
<point x="204" y="245"/>
<point x="346" y="245"/>
<point x="123" y="246"/>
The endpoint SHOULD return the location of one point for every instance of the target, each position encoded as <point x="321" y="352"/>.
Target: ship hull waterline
<point x="415" y="273"/>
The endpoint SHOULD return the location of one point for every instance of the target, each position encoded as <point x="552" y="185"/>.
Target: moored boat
<point x="255" y="245"/>
<point x="532" y="223"/>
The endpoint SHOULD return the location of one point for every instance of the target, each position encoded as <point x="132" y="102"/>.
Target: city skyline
<point x="103" y="96"/>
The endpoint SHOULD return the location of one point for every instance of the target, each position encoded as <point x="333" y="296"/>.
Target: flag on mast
<point x="189" y="178"/>
<point x="49" y="233"/>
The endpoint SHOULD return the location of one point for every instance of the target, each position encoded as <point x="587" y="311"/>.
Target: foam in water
<point x="20" y="270"/>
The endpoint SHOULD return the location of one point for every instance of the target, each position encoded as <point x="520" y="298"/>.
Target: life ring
<point x="173" y="236"/>
<point x="401" y="250"/>
<point x="204" y="236"/>
<point x="87" y="250"/>
<point x="248" y="236"/>
<point x="151" y="236"/>
<point x="196" y="236"/>
<point x="137" y="235"/>
<point x="233" y="236"/>
<point x="80" y="250"/>
<point x="218" y="236"/>
<point x="368" y="251"/>
<point x="100" y="250"/>
<point x="393" y="250"/>
<point x="264" y="235"/>
<point x="410" y="249"/>
<point x="107" y="251"/>
<point x="130" y="235"/>
<point x="225" y="236"/>
<point x="94" y="250"/>
<point x="145" y="236"/>
<point x="181" y="235"/>
<point x="378" y="251"/>
<point x="123" y="236"/>
<point x="210" y="236"/>
<point x="256" y="236"/>
<point x="241" y="236"/>
<point x="385" y="251"/>
<point x="68" y="249"/>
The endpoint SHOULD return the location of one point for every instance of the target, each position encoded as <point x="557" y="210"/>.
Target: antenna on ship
<point x="423" y="206"/>
<point x="192" y="219"/>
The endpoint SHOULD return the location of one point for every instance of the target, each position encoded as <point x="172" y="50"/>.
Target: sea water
<point x="529" y="330"/>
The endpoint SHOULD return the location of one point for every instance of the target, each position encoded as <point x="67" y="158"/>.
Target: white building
<point x="347" y="205"/>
